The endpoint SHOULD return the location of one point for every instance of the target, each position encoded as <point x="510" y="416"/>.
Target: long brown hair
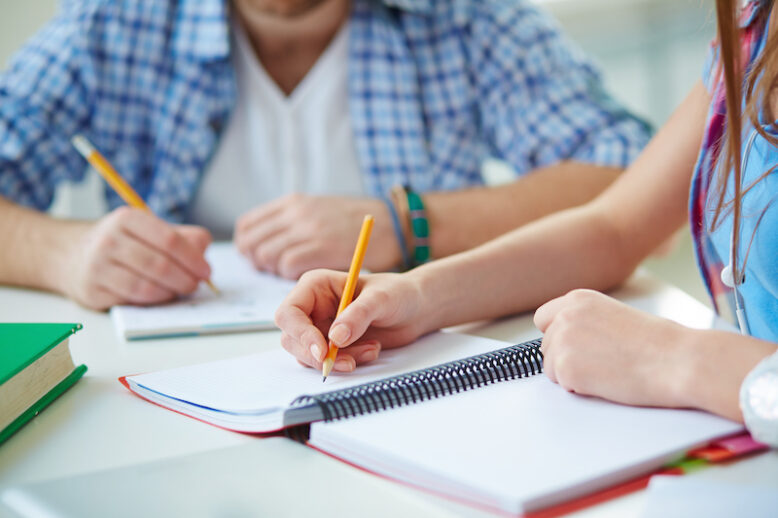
<point x="760" y="81"/>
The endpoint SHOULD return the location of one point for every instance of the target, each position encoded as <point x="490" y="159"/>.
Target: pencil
<point x="348" y="290"/>
<point x="114" y="179"/>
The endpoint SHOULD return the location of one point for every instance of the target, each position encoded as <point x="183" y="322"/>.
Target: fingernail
<point x="316" y="351"/>
<point x="344" y="365"/>
<point x="368" y="356"/>
<point x="339" y="334"/>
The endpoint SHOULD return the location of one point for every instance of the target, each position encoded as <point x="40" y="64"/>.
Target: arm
<point x="297" y="233"/>
<point x="129" y="256"/>
<point x="541" y="108"/>
<point x="596" y="245"/>
<point x="461" y="220"/>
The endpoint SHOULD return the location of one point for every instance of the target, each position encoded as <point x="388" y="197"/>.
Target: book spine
<point x="517" y="361"/>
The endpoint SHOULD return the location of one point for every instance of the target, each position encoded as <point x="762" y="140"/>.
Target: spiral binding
<point x="516" y="361"/>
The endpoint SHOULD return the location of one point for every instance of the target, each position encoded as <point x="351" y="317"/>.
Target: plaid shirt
<point x="434" y="88"/>
<point x="708" y="260"/>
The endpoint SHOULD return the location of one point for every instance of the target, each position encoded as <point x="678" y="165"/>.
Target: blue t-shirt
<point x="758" y="243"/>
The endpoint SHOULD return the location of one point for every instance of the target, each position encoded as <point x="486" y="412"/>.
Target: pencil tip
<point x="323" y="379"/>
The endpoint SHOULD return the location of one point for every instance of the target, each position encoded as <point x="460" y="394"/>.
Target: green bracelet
<point x="419" y="227"/>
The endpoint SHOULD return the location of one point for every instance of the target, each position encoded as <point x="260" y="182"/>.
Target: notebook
<point x="481" y="428"/>
<point x="247" y="302"/>
<point x="35" y="369"/>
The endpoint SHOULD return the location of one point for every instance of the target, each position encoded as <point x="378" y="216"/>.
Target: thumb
<point x="357" y="318"/>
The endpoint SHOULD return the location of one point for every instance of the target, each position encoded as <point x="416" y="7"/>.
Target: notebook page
<point x="247" y="298"/>
<point x="250" y="384"/>
<point x="518" y="445"/>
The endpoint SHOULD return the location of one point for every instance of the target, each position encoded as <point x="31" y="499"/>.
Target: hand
<point x="597" y="346"/>
<point x="297" y="233"/>
<point x="131" y="256"/>
<point x="385" y="313"/>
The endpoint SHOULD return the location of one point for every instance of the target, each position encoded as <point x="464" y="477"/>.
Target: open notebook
<point x="247" y="302"/>
<point x="516" y="442"/>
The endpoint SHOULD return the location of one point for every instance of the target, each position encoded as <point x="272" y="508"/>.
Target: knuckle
<point x="292" y="266"/>
<point x="170" y="240"/>
<point x="160" y="267"/>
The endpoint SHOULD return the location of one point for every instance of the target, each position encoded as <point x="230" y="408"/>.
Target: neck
<point x="289" y="44"/>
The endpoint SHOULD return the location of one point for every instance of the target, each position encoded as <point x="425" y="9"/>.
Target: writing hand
<point x="384" y="314"/>
<point x="297" y="233"/>
<point x="131" y="256"/>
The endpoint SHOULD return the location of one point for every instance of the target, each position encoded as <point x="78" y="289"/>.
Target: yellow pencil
<point x="114" y="179"/>
<point x="348" y="290"/>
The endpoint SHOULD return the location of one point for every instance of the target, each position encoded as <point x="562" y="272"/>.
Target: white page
<point x="248" y="300"/>
<point x="273" y="379"/>
<point x="681" y="497"/>
<point x="518" y="445"/>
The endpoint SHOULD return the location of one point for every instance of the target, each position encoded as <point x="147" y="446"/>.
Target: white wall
<point x="651" y="52"/>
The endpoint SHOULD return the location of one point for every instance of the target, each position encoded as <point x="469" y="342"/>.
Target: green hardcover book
<point x="35" y="368"/>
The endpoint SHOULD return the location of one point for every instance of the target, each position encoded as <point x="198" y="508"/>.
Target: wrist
<point x="435" y="295"/>
<point x="713" y="366"/>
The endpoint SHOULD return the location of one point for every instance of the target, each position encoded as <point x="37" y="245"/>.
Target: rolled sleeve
<point x="543" y="100"/>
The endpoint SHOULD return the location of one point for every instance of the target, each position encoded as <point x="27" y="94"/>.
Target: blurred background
<point x="650" y="51"/>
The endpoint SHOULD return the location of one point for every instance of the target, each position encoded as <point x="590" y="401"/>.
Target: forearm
<point x="524" y="268"/>
<point x="34" y="246"/>
<point x="596" y="245"/>
<point x="461" y="220"/>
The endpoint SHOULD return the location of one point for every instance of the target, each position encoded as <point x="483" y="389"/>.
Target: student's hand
<point x="297" y="233"/>
<point x="132" y="257"/>
<point x="385" y="313"/>
<point x="597" y="346"/>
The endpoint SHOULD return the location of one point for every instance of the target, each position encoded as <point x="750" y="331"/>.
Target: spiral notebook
<point x="462" y="416"/>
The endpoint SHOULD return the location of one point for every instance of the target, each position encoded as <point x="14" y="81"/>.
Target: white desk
<point x="99" y="425"/>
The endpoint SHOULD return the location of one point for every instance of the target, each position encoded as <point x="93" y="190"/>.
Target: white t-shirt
<point x="275" y="144"/>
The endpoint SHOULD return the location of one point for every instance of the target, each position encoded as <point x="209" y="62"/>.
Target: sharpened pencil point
<point x="323" y="379"/>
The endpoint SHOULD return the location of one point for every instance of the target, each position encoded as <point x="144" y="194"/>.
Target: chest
<point x="757" y="253"/>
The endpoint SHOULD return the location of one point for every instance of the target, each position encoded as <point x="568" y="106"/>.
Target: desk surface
<point x="99" y="425"/>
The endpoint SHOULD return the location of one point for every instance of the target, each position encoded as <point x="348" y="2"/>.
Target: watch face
<point x="763" y="396"/>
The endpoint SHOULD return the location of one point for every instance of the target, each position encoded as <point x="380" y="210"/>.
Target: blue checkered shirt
<point x="434" y="88"/>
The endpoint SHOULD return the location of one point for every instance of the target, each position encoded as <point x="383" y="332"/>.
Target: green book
<point x="35" y="368"/>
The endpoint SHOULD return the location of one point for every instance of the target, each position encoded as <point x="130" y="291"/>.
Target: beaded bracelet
<point x="398" y="232"/>
<point x="419" y="227"/>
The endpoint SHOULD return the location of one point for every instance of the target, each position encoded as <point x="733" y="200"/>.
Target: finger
<point x="260" y="213"/>
<point x="268" y="254"/>
<point x="250" y="242"/>
<point x="130" y="287"/>
<point x="546" y="313"/>
<point x="299" y="351"/>
<point x="199" y="237"/>
<point x="365" y="352"/>
<point x="153" y="265"/>
<point x="548" y="355"/>
<point x="101" y="298"/>
<point x="350" y="325"/>
<point x="301" y="258"/>
<point x="164" y="237"/>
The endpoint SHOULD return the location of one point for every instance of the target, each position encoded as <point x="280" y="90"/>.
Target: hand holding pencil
<point x="385" y="312"/>
<point x="130" y="256"/>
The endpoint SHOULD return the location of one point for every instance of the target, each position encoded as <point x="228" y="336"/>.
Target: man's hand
<point x="132" y="257"/>
<point x="297" y="233"/>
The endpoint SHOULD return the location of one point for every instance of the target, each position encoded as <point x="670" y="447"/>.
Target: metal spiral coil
<point x="516" y="361"/>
